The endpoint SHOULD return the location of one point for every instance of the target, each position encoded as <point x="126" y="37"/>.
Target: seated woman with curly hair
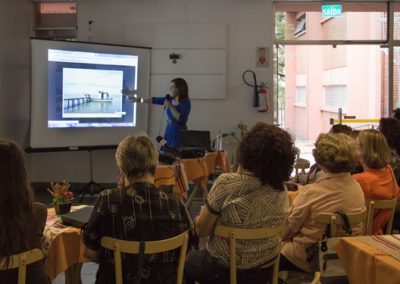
<point x="253" y="197"/>
<point x="334" y="190"/>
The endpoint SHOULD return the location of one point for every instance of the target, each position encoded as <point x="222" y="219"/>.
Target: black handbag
<point x="322" y="255"/>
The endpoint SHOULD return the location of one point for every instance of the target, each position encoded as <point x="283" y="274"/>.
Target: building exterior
<point x="320" y="79"/>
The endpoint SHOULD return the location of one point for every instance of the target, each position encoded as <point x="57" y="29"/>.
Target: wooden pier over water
<point x="73" y="102"/>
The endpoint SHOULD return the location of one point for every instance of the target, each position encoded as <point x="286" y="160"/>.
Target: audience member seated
<point x="390" y="128"/>
<point x="138" y="212"/>
<point x="253" y="197"/>
<point x="378" y="180"/>
<point x="334" y="190"/>
<point x="396" y="113"/>
<point x="22" y="220"/>
<point x="314" y="170"/>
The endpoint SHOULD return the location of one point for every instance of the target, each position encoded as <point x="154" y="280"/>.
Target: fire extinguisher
<point x="263" y="98"/>
<point x="260" y="95"/>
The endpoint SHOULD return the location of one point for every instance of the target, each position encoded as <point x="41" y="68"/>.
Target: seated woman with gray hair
<point x="314" y="170"/>
<point x="137" y="211"/>
<point x="334" y="190"/>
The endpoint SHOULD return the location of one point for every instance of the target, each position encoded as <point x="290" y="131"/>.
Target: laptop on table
<point x="196" y="138"/>
<point x="77" y="218"/>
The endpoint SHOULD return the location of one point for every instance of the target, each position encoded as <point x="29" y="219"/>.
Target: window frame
<point x="389" y="42"/>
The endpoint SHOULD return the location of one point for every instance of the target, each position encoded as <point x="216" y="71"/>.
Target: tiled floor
<point x="88" y="274"/>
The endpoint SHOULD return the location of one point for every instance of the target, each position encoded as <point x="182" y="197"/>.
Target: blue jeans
<point x="202" y="267"/>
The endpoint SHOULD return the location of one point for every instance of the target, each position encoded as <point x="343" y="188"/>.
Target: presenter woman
<point x="177" y="106"/>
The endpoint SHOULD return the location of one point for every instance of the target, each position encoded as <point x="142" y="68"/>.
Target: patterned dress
<point x="137" y="212"/>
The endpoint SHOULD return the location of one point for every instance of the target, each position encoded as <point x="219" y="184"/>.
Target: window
<point x="335" y="96"/>
<point x="301" y="26"/>
<point x="343" y="62"/>
<point x="57" y="8"/>
<point x="293" y="17"/>
<point x="55" y="20"/>
<point x="300" y="96"/>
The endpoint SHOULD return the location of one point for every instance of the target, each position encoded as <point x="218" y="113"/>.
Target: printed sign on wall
<point x="262" y="56"/>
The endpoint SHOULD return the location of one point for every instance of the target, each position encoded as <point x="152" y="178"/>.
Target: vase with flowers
<point x="62" y="197"/>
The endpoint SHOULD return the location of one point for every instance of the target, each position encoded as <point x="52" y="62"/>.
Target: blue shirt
<point x="174" y="126"/>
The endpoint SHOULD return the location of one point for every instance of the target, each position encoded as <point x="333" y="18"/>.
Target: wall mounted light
<point x="174" y="57"/>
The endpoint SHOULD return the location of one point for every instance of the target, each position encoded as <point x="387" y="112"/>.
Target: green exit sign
<point x="332" y="10"/>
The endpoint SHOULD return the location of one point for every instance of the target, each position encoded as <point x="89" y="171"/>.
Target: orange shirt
<point x="378" y="185"/>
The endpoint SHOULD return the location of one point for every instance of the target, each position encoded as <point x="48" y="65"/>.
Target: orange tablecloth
<point x="218" y="159"/>
<point x="199" y="169"/>
<point x="366" y="264"/>
<point x="172" y="175"/>
<point x="196" y="169"/>
<point x="63" y="245"/>
<point x="165" y="175"/>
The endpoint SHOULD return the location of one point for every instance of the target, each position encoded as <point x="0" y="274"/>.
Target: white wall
<point x="14" y="69"/>
<point x="248" y="25"/>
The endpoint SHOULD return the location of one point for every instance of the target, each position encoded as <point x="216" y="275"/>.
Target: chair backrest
<point x="380" y="204"/>
<point x="234" y="234"/>
<point x="20" y="261"/>
<point x="317" y="278"/>
<point x="150" y="247"/>
<point x="301" y="164"/>
<point x="334" y="220"/>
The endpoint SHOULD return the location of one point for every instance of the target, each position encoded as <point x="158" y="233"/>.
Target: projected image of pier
<point x="92" y="93"/>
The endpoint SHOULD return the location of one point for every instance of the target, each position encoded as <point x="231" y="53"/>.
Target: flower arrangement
<point x="60" y="192"/>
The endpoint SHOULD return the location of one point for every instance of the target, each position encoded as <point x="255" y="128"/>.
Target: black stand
<point x="89" y="187"/>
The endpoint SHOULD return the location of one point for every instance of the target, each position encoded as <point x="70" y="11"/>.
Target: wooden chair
<point x="380" y="204"/>
<point x="20" y="261"/>
<point x="132" y="247"/>
<point x="330" y="266"/>
<point x="317" y="278"/>
<point x="234" y="234"/>
<point x="301" y="164"/>
<point x="334" y="220"/>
